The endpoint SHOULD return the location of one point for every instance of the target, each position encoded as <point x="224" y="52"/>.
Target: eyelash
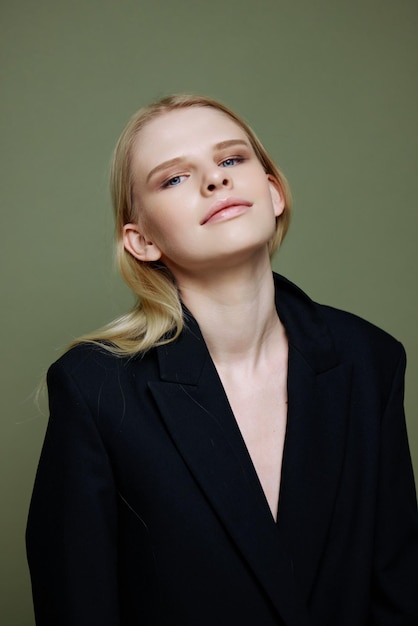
<point x="237" y="160"/>
<point x="168" y="182"/>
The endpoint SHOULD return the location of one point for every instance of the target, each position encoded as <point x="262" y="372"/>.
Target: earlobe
<point x="276" y="196"/>
<point x="138" y="245"/>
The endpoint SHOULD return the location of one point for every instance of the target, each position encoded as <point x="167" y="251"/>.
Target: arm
<point x="395" y="593"/>
<point x="72" y="525"/>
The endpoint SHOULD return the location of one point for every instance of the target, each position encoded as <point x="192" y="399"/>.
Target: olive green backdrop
<point x="329" y="85"/>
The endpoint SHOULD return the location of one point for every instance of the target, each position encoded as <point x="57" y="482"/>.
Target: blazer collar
<point x="284" y="557"/>
<point x="306" y="330"/>
<point x="182" y="361"/>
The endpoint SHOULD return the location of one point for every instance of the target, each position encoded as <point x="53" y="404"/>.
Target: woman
<point x="229" y="452"/>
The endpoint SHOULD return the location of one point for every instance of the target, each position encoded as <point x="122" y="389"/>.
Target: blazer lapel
<point x="284" y="556"/>
<point x="312" y="461"/>
<point x="319" y="390"/>
<point x="207" y="436"/>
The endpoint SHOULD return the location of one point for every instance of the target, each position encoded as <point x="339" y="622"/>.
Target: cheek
<point x="167" y="215"/>
<point x="147" y="217"/>
<point x="161" y="228"/>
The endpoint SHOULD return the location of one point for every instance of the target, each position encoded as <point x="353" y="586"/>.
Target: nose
<point x="216" y="179"/>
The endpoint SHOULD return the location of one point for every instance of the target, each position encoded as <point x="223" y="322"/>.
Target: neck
<point x="236" y="313"/>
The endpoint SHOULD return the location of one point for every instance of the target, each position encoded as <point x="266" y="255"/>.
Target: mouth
<point x="229" y="207"/>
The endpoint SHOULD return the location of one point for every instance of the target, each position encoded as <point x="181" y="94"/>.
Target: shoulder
<point x="353" y="337"/>
<point x="93" y="367"/>
<point x="376" y="356"/>
<point x="89" y="380"/>
<point x="350" y="330"/>
<point x="87" y="356"/>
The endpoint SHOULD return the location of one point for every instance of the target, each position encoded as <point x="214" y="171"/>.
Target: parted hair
<point x="157" y="316"/>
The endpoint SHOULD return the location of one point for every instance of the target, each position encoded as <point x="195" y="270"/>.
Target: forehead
<point x="183" y="132"/>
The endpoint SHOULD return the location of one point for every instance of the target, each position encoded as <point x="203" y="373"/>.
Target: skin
<point x="181" y="167"/>
<point x="184" y="163"/>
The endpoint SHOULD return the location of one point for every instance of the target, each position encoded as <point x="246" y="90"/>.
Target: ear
<point x="277" y="196"/>
<point x="138" y="245"/>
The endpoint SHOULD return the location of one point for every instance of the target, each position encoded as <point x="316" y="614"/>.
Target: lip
<point x="222" y="205"/>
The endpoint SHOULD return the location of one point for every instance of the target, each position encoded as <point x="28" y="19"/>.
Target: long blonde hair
<point x="157" y="316"/>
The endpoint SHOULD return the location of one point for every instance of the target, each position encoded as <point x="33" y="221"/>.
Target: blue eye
<point x="173" y="182"/>
<point x="231" y="161"/>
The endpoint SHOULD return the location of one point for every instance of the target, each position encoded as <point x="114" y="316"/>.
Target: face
<point x="202" y="197"/>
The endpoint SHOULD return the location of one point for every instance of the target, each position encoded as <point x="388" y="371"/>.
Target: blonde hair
<point x="157" y="316"/>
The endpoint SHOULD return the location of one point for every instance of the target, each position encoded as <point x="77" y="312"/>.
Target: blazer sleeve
<point x="395" y="593"/>
<point x="72" y="526"/>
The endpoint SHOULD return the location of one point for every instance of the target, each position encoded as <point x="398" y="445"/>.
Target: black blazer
<point x="147" y="509"/>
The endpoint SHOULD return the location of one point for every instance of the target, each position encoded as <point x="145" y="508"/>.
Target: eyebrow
<point x="218" y="146"/>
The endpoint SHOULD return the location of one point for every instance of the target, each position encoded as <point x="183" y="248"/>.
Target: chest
<point x="260" y="409"/>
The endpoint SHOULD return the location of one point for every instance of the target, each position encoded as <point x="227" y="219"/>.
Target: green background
<point x="329" y="85"/>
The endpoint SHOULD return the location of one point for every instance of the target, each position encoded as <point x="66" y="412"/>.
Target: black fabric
<point x="147" y="509"/>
